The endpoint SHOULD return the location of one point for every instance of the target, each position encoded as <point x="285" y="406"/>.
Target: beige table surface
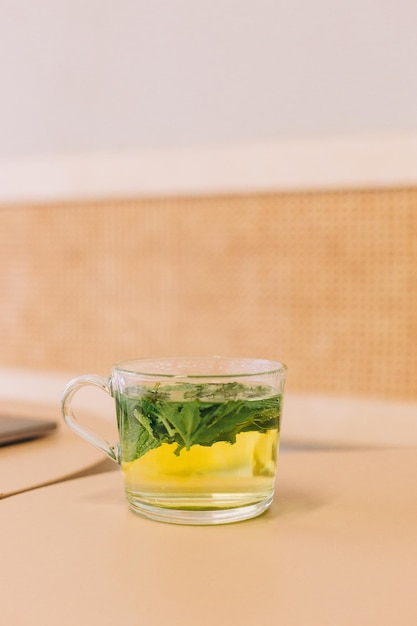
<point x="338" y="547"/>
<point x="58" y="456"/>
<point x="49" y="459"/>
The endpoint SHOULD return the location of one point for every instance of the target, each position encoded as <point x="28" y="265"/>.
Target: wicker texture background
<point x="325" y="282"/>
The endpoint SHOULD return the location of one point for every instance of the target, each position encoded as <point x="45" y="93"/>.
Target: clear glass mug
<point x="198" y="436"/>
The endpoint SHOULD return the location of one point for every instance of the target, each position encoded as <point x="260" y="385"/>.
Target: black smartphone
<point x="15" y="429"/>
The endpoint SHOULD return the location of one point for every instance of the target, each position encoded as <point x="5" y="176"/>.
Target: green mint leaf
<point x="188" y="414"/>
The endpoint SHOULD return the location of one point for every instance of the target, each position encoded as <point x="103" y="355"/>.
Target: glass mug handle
<point x="113" y="451"/>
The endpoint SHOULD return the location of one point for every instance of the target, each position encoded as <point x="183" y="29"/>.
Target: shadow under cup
<point x="198" y="437"/>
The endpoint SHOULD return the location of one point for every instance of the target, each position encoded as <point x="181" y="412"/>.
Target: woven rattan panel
<point x="325" y="282"/>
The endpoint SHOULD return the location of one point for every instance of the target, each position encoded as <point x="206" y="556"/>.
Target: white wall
<point x="89" y="77"/>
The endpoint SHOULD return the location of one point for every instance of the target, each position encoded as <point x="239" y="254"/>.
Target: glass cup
<point x="198" y="437"/>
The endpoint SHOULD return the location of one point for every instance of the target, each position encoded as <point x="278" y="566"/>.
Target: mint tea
<point x="206" y="447"/>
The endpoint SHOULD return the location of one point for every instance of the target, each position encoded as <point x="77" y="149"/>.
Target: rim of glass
<point x="270" y="367"/>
